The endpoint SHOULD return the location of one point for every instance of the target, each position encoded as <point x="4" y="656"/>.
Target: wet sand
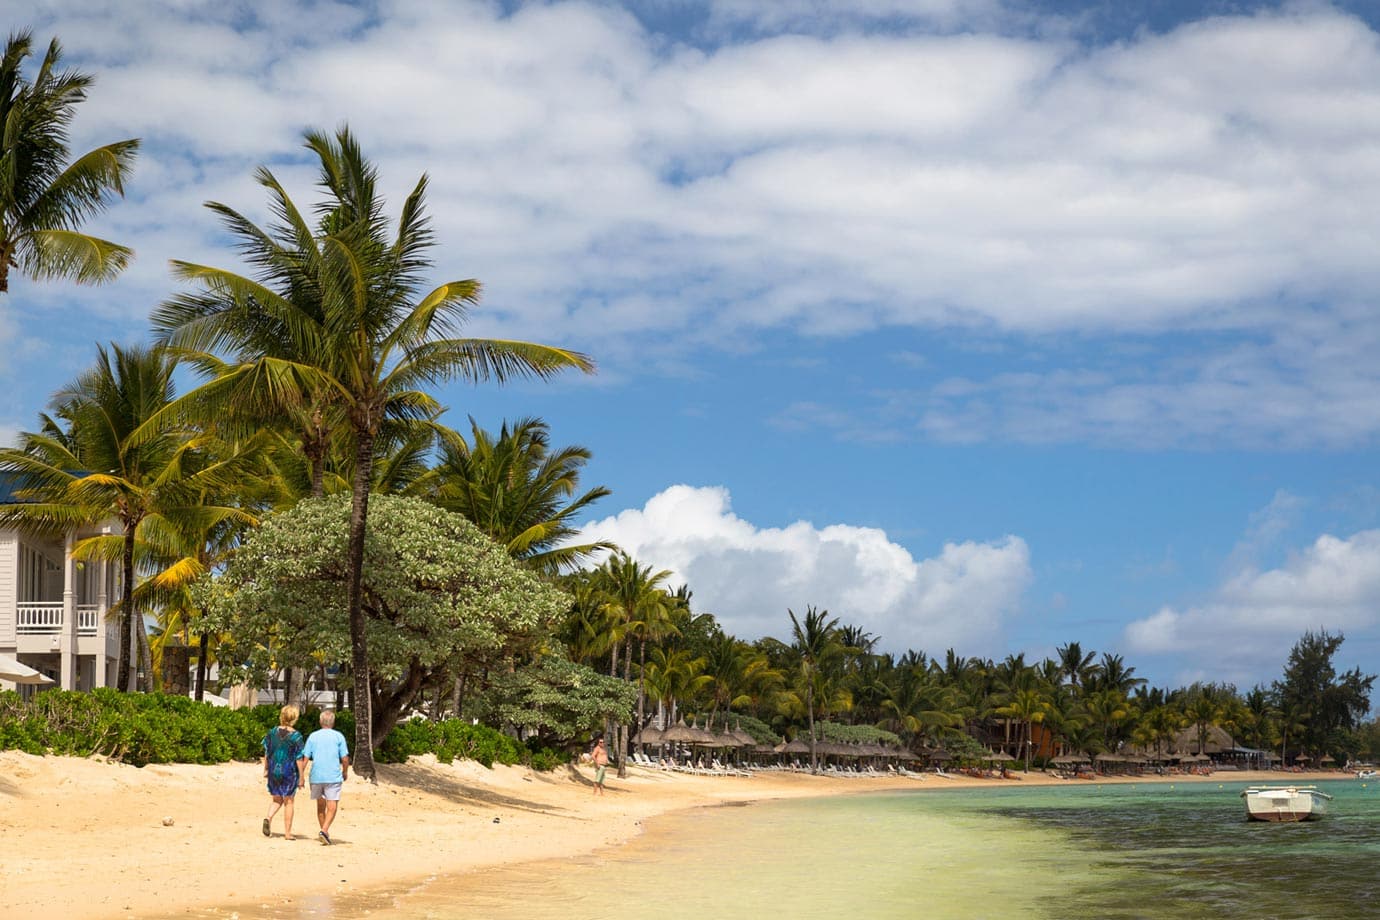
<point x="86" y="839"/>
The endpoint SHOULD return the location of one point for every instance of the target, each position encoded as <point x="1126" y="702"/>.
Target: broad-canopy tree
<point x="554" y="699"/>
<point x="434" y="591"/>
<point x="45" y="195"/>
<point x="336" y="326"/>
<point x="1326" y="703"/>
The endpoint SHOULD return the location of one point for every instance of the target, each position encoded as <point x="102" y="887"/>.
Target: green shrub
<point x="144" y="728"/>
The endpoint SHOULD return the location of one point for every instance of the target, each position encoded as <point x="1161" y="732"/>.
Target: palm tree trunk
<point x="124" y="679"/>
<point x="145" y="655"/>
<point x="201" y="666"/>
<point x="623" y="726"/>
<point x="641" y="682"/>
<point x="810" y="716"/>
<point x="363" y="760"/>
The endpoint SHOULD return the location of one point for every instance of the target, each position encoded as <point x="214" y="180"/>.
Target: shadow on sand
<point x="452" y="788"/>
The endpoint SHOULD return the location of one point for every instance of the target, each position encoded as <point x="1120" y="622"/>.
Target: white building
<point x="53" y="608"/>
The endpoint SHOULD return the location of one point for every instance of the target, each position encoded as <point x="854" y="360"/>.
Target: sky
<point x="983" y="325"/>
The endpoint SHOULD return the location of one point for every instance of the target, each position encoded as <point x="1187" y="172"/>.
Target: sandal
<point x="267" y="828"/>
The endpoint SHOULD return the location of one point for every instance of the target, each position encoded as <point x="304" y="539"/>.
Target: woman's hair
<point x="287" y="716"/>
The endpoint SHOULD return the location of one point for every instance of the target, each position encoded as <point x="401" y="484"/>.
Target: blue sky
<point x="982" y="324"/>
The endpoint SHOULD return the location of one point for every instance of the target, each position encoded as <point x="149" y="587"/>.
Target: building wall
<point x="9" y="562"/>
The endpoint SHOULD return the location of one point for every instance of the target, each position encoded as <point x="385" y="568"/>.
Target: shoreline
<point x="85" y="838"/>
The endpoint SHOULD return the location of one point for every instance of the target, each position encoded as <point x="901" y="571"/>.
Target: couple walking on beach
<point x="284" y="762"/>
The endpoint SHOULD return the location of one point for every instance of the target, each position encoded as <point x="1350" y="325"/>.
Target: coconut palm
<point x="516" y="489"/>
<point x="336" y="326"/>
<point x="817" y="649"/>
<point x="45" y="196"/>
<point x="1074" y="663"/>
<point x="637" y="601"/>
<point x="87" y="465"/>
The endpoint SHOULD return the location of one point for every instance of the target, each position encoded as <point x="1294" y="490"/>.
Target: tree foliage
<point x="1328" y="704"/>
<point x="436" y="593"/>
<point x="555" y="699"/>
<point x="45" y="194"/>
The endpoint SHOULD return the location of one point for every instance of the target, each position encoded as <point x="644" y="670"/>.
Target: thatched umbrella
<point x="680" y="733"/>
<point x="793" y="747"/>
<point x="1000" y="757"/>
<point x="705" y="738"/>
<point x="742" y="737"/>
<point x="649" y="735"/>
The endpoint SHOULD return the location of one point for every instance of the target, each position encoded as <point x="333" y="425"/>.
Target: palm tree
<point x="1075" y="663"/>
<point x="1027" y="706"/>
<point x="816" y="647"/>
<point x="637" y="599"/>
<point x="517" y="490"/>
<point x="44" y="195"/>
<point x="105" y="464"/>
<point x="337" y="327"/>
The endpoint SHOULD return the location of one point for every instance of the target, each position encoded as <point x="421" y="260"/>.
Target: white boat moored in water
<point x="1285" y="803"/>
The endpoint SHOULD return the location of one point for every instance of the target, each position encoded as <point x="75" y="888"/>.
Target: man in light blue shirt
<point x="330" y="765"/>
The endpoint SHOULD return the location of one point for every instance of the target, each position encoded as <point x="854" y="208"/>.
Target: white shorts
<point x="328" y="791"/>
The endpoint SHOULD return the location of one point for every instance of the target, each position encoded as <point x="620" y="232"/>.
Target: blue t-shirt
<point x="325" y="747"/>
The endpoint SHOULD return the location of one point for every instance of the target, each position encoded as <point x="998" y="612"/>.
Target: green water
<point x="1078" y="850"/>
<point x="1088" y="851"/>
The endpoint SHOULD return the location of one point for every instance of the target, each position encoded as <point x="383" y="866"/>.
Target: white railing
<point x="39" y="618"/>
<point x="44" y="618"/>
<point x="88" y="620"/>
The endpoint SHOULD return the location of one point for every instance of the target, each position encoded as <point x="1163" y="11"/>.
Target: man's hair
<point x="287" y="716"/>
<point x="328" y="718"/>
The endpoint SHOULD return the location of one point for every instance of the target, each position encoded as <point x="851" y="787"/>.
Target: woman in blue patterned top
<point x="283" y="768"/>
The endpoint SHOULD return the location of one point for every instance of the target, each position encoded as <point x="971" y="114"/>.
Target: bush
<point x="144" y="728"/>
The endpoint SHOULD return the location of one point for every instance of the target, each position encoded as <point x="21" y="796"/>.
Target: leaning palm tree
<point x="45" y="196"/>
<point x="336" y="326"/>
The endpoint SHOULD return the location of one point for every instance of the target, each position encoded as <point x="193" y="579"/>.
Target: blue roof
<point x="9" y="482"/>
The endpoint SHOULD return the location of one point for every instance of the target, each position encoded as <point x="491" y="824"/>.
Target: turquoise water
<point x="1079" y="850"/>
<point x="1087" y="851"/>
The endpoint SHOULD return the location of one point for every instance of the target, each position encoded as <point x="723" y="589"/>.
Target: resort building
<point x="53" y="608"/>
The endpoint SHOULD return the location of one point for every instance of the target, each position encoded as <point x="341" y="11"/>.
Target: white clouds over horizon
<point x="1254" y="616"/>
<point x="748" y="576"/>
<point x="610" y="184"/>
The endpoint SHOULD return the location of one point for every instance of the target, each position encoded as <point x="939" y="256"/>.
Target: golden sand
<point x="86" y="839"/>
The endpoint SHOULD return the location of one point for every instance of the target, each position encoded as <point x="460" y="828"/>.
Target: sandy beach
<point x="86" y="839"/>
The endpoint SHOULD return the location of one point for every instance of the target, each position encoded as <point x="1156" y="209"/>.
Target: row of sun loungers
<point x="715" y="768"/>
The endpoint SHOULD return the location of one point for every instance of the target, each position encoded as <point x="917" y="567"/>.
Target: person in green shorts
<point x="600" y="756"/>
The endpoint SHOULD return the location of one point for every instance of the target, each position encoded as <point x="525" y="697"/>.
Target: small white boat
<point x="1367" y="774"/>
<point x="1285" y="803"/>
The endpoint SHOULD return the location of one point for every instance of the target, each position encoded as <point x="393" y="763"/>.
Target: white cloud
<point x="609" y="183"/>
<point x="748" y="576"/>
<point x="1254" y="617"/>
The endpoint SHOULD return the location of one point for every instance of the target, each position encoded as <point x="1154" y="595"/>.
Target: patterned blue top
<point x="283" y="748"/>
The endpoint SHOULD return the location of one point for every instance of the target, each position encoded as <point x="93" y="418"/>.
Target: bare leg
<point x="272" y="810"/>
<point x="288" y="802"/>
<point x="326" y="814"/>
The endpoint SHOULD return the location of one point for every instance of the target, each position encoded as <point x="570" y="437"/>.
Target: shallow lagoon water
<point x="1151" y="851"/>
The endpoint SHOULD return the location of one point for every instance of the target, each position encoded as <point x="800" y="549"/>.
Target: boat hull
<point x="1285" y="805"/>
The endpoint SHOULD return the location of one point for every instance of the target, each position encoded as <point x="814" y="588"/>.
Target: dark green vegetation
<point x="145" y="728"/>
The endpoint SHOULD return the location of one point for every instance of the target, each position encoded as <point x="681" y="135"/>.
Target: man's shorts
<point x="599" y="775"/>
<point x="328" y="791"/>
